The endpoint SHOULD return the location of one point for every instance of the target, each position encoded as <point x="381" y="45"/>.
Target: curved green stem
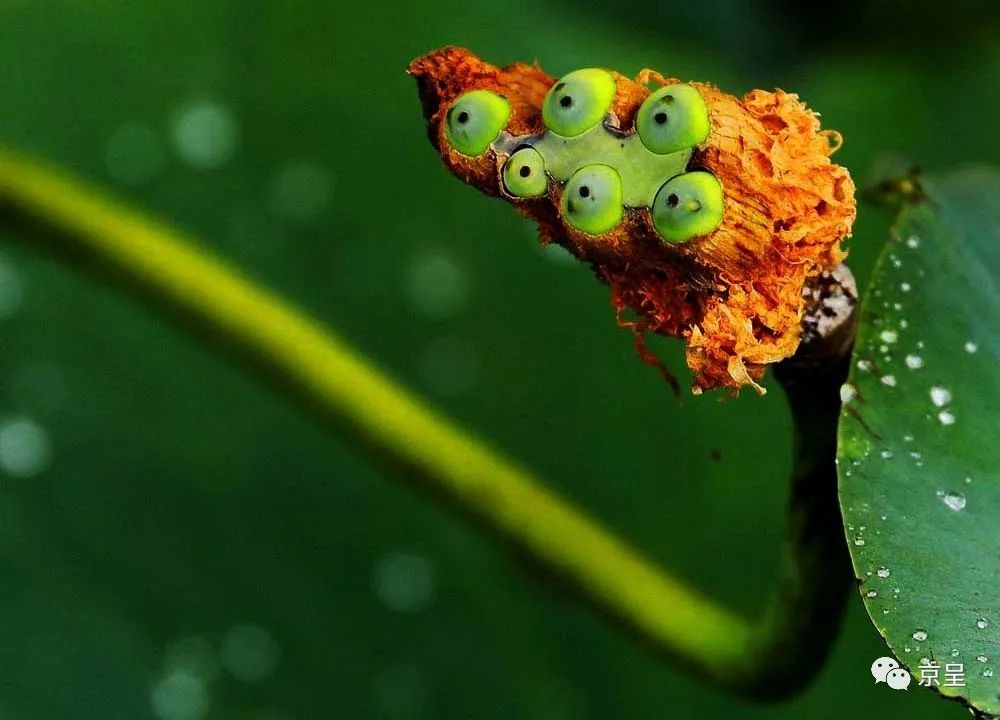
<point x="328" y="378"/>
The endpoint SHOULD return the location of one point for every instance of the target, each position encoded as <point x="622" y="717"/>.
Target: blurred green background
<point x="176" y="542"/>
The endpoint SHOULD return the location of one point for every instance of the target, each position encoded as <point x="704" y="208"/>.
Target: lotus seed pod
<point x="760" y="207"/>
<point x="688" y="206"/>
<point x="578" y="101"/>
<point x="524" y="174"/>
<point x="592" y="200"/>
<point x="673" y="118"/>
<point x="475" y="120"/>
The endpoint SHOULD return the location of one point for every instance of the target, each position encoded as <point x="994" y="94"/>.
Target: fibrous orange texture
<point x="735" y="295"/>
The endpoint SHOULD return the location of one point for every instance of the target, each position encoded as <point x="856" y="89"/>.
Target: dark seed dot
<point x="463" y="117"/>
<point x="672" y="199"/>
<point x="566" y="101"/>
<point x="560" y="86"/>
<point x="660" y="117"/>
<point x="584" y="191"/>
<point x="525" y="171"/>
<point x="668" y="99"/>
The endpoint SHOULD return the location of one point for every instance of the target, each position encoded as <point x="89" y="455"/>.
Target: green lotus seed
<point x="475" y="120"/>
<point x="673" y="118"/>
<point x="578" y="101"/>
<point x="592" y="199"/>
<point x="688" y="206"/>
<point x="524" y="173"/>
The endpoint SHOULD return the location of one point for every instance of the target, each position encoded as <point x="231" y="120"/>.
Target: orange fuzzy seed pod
<point x="734" y="294"/>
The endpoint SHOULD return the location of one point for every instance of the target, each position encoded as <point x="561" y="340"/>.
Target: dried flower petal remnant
<point x="703" y="212"/>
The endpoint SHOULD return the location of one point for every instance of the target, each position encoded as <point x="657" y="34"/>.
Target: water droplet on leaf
<point x="940" y="396"/>
<point x="955" y="501"/>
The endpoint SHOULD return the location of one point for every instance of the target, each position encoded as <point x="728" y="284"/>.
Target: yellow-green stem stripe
<point x="325" y="374"/>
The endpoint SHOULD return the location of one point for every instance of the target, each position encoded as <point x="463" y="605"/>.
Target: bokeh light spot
<point x="301" y="191"/>
<point x="249" y="653"/>
<point x="438" y="288"/>
<point x="205" y="135"/>
<point x="25" y="447"/>
<point x="180" y="695"/>
<point x="405" y="582"/>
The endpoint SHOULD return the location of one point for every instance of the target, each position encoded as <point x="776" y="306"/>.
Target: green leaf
<point x="919" y="459"/>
